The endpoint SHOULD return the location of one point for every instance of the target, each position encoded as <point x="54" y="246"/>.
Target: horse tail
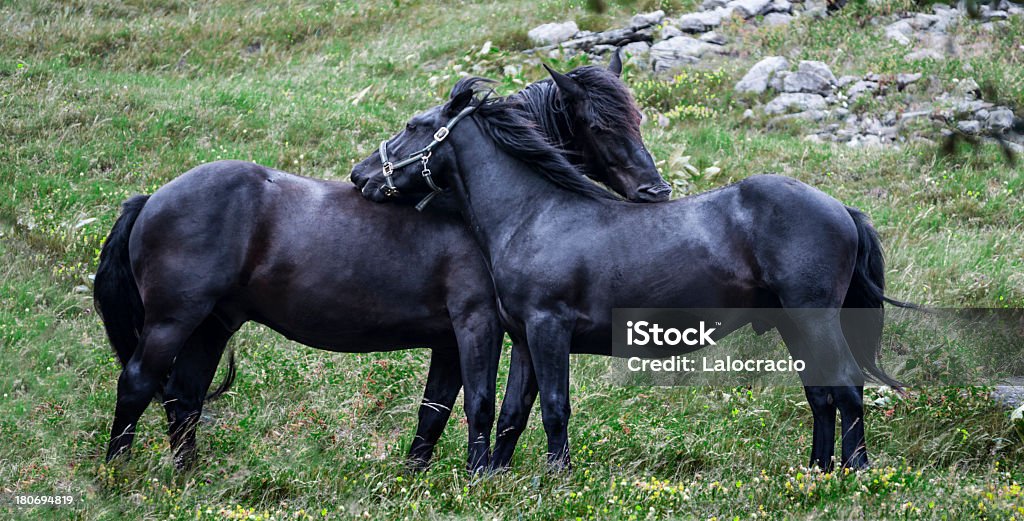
<point x="116" y="295"/>
<point x="229" y="379"/>
<point x="862" y="325"/>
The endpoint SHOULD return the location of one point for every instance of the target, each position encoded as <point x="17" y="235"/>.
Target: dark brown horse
<point x="229" y="242"/>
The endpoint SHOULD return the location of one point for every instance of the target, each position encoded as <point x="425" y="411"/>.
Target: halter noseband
<point x="423" y="156"/>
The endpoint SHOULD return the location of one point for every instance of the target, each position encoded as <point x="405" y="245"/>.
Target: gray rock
<point x="548" y="34"/>
<point x="924" y="54"/>
<point x="709" y="5"/>
<point x="818" y="68"/>
<point x="647" y="19"/>
<point x="699" y="22"/>
<point x="756" y="79"/>
<point x="635" y="48"/>
<point x="806" y="82"/>
<point x="713" y="37"/>
<point x="778" y="81"/>
<point x="815" y="9"/>
<point x="967" y="88"/>
<point x="904" y="79"/>
<point x="679" y="51"/>
<point x="780" y="6"/>
<point x="923" y="21"/>
<point x="871" y="125"/>
<point x="806" y="115"/>
<point x="994" y="15"/>
<point x="797" y="101"/>
<point x="845" y="80"/>
<point x="750" y="8"/>
<point x="968" y="126"/>
<point x="889" y="119"/>
<point x="1008" y="395"/>
<point x="999" y="119"/>
<point x="900" y="32"/>
<point x="861" y="87"/>
<point x="776" y="19"/>
<point x="981" y="115"/>
<point x="670" y="31"/>
<point x="971" y="106"/>
<point x="748" y="114"/>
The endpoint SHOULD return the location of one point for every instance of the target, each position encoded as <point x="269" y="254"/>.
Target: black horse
<point x="229" y="242"/>
<point x="564" y="254"/>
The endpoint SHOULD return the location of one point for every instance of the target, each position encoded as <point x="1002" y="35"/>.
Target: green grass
<point x="100" y="100"/>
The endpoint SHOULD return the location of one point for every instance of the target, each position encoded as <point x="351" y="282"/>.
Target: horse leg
<point x="850" y="400"/>
<point x="548" y="339"/>
<point x="823" y="410"/>
<point x="520" y="392"/>
<point x="144" y="374"/>
<point x="186" y="388"/>
<point x="479" y="336"/>
<point x="832" y="381"/>
<point x="444" y="380"/>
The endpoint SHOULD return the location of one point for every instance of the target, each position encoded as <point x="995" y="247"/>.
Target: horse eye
<point x="409" y="127"/>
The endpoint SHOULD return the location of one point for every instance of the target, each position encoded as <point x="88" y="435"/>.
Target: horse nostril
<point x="657" y="191"/>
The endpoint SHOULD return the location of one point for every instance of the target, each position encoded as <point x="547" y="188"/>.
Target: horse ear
<point x="459" y="102"/>
<point x="567" y="85"/>
<point x="615" y="67"/>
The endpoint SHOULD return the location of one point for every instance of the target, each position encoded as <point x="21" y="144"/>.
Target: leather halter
<point x="423" y="156"/>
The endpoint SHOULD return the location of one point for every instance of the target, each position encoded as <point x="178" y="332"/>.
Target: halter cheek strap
<point x="423" y="155"/>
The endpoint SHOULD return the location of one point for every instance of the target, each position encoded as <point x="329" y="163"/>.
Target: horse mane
<point x="503" y="120"/>
<point x="608" y="108"/>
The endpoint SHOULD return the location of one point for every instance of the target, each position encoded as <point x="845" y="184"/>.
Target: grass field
<point x="100" y="100"/>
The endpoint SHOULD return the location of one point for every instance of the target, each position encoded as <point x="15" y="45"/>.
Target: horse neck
<point x="499" y="194"/>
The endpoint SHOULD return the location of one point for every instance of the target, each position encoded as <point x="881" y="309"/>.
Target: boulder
<point x="670" y="31"/>
<point x="756" y="79"/>
<point x="818" y="68"/>
<point x="647" y="19"/>
<point x="806" y="82"/>
<point x="679" y="51"/>
<point x="780" y="6"/>
<point x="999" y="119"/>
<point x="795" y="101"/>
<point x="750" y="8"/>
<point x="861" y="87"/>
<point x="900" y="32"/>
<point x="699" y="22"/>
<point x="968" y="126"/>
<point x="713" y="37"/>
<point x="553" y="33"/>
<point x="904" y="79"/>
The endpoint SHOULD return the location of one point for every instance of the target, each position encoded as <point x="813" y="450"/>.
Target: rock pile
<point x="928" y="33"/>
<point x="661" y="43"/>
<point x="811" y="91"/>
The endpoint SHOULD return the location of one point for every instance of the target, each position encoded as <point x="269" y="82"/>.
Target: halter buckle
<point x="389" y="168"/>
<point x="441" y="134"/>
<point x="389" y="191"/>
